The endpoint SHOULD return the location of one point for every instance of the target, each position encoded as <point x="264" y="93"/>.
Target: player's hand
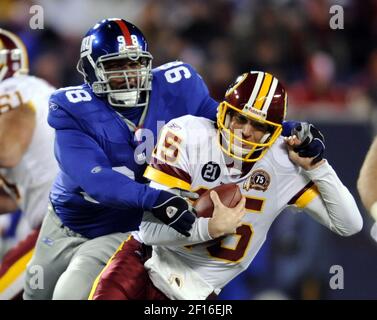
<point x="225" y="220"/>
<point x="174" y="211"/>
<point x="306" y="146"/>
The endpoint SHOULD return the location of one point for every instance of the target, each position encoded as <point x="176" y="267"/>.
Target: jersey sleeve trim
<point x="170" y="170"/>
<point x="305" y="195"/>
<point x="165" y="179"/>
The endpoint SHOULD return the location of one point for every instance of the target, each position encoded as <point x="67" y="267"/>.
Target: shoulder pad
<point x="278" y="155"/>
<point x="66" y="105"/>
<point x="68" y="96"/>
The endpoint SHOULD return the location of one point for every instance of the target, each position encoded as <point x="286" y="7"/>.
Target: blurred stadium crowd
<point x="331" y="75"/>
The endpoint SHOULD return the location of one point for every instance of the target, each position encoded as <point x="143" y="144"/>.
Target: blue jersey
<point x="100" y="188"/>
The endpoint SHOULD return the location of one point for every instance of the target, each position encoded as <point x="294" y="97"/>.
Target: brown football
<point x="229" y="195"/>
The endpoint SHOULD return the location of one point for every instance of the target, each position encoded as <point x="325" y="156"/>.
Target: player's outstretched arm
<point x="224" y="221"/>
<point x="367" y="181"/>
<point x="335" y="208"/>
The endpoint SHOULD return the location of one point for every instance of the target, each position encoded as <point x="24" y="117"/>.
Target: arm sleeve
<point x="366" y="183"/>
<point x="163" y="177"/>
<point x="81" y="158"/>
<point x="154" y="232"/>
<point x="335" y="208"/>
<point x="208" y="108"/>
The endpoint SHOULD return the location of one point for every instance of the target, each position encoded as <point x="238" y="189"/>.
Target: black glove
<point x="313" y="142"/>
<point x="173" y="210"/>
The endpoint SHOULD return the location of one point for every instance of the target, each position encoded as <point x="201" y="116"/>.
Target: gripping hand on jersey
<point x="172" y="209"/>
<point x="305" y="141"/>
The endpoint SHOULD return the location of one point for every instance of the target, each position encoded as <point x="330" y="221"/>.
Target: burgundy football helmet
<point x="260" y="97"/>
<point x="13" y="55"/>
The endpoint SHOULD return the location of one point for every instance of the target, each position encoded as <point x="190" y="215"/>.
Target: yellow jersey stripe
<point x="15" y="271"/>
<point x="259" y="101"/>
<point x="165" y="179"/>
<point x="307" y="197"/>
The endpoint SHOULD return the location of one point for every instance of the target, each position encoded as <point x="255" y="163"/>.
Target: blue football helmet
<point x="115" y="61"/>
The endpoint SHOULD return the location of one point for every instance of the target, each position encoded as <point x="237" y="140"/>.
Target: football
<point x="229" y="195"/>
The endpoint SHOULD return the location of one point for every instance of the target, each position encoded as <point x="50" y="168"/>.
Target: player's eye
<point x="133" y="64"/>
<point x="259" y="126"/>
<point x="112" y="66"/>
<point x="241" y="119"/>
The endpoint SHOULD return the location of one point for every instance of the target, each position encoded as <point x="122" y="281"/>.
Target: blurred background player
<point x="367" y="185"/>
<point x="100" y="126"/>
<point x="27" y="163"/>
<point x="244" y="147"/>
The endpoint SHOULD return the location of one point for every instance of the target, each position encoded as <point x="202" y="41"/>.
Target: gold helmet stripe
<point x="259" y="101"/>
<point x="256" y="88"/>
<point x="270" y="95"/>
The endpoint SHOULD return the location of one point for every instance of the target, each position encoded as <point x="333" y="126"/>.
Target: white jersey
<point x="188" y="156"/>
<point x="30" y="181"/>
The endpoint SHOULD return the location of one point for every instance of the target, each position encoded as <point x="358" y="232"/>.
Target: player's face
<point x="117" y="80"/>
<point x="247" y="129"/>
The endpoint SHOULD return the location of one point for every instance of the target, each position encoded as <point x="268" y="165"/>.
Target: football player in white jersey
<point x="27" y="163"/>
<point x="245" y="146"/>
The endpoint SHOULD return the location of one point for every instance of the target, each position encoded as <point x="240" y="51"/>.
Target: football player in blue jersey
<point x="99" y="194"/>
